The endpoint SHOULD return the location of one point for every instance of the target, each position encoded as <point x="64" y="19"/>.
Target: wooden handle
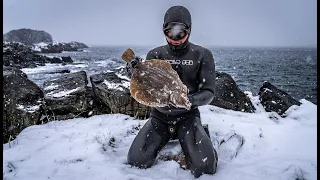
<point x="128" y="55"/>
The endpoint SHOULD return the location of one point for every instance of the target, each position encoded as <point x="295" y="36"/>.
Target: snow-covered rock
<point x="66" y="96"/>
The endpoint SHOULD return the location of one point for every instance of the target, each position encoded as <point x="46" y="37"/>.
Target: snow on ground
<point x="96" y="148"/>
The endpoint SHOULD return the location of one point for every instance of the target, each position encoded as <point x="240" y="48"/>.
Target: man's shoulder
<point x="158" y="49"/>
<point x="196" y="47"/>
<point x="156" y="52"/>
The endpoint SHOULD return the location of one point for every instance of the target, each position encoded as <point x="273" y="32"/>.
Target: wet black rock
<point x="274" y="99"/>
<point x="229" y="96"/>
<point x="22" y="101"/>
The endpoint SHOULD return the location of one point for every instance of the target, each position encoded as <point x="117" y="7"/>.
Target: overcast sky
<point x="139" y="22"/>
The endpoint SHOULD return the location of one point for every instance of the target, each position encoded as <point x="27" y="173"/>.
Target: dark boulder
<point x="22" y="102"/>
<point x="66" y="96"/>
<point x="274" y="99"/>
<point x="66" y="59"/>
<point x="56" y="60"/>
<point x="229" y="96"/>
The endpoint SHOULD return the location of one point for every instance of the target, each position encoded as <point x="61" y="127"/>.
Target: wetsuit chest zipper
<point x="172" y="129"/>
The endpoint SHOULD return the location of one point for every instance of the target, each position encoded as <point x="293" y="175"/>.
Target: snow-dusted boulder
<point x="111" y="89"/>
<point x="21" y="101"/>
<point x="274" y="99"/>
<point x="229" y="96"/>
<point x="66" y="97"/>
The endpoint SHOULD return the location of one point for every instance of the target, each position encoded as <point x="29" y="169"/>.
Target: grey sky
<point x="139" y="22"/>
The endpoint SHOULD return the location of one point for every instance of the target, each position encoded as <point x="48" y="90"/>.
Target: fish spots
<point x="204" y="159"/>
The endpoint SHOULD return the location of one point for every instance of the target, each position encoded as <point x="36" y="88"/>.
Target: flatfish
<point x="155" y="83"/>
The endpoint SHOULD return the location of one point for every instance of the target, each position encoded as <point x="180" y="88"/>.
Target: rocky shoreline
<point x="59" y="47"/>
<point x="20" y="56"/>
<point x="69" y="96"/>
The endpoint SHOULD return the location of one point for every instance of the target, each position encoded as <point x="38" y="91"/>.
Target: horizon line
<point x="205" y="45"/>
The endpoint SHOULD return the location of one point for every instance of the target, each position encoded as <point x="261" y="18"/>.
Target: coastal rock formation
<point x="60" y="47"/>
<point x="274" y="99"/>
<point x="229" y="96"/>
<point x="20" y="56"/>
<point x="27" y="36"/>
<point x="22" y="101"/>
<point x="69" y="96"/>
<point x="41" y="41"/>
<point x="66" y="97"/>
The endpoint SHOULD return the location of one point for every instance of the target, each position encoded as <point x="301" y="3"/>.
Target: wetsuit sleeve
<point x="206" y="78"/>
<point x="150" y="56"/>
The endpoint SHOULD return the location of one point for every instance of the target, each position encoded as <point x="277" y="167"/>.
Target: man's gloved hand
<point x="132" y="64"/>
<point x="190" y="99"/>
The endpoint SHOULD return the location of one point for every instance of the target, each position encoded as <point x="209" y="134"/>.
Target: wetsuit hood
<point x="178" y="14"/>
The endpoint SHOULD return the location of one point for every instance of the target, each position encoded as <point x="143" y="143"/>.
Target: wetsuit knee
<point x="139" y="159"/>
<point x="198" y="148"/>
<point x="199" y="168"/>
<point x="146" y="145"/>
<point x="206" y="163"/>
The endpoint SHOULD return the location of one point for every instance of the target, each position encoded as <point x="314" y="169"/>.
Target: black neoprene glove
<point x="190" y="99"/>
<point x="132" y="64"/>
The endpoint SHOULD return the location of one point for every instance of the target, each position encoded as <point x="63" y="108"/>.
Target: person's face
<point x="176" y="33"/>
<point x="177" y="42"/>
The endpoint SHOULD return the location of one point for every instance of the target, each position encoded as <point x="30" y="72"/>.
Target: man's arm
<point x="150" y="55"/>
<point x="207" y="82"/>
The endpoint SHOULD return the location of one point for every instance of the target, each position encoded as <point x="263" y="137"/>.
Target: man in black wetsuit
<point x="196" y="68"/>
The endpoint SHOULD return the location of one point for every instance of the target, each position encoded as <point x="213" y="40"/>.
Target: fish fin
<point x="128" y="55"/>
